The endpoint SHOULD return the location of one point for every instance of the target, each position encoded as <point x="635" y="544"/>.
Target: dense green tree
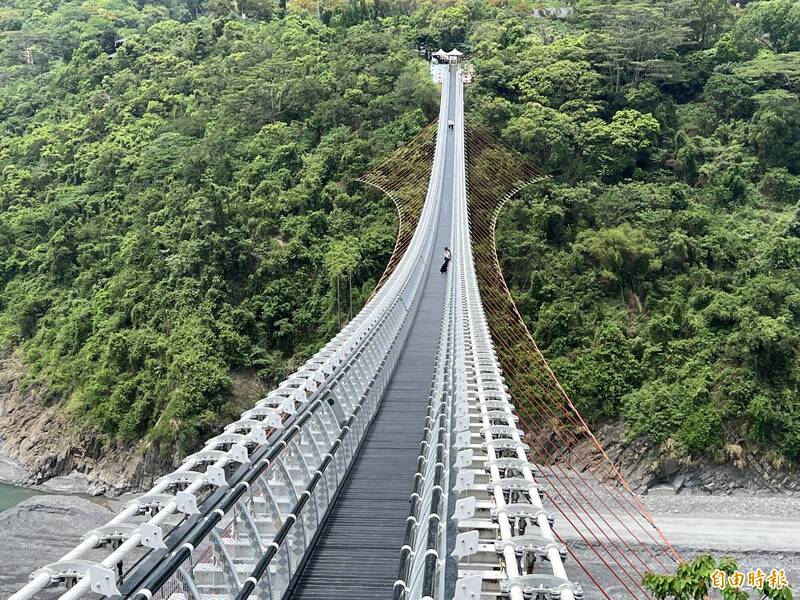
<point x="773" y="24"/>
<point x="709" y="19"/>
<point x="546" y="134"/>
<point x="657" y="271"/>
<point x="636" y="42"/>
<point x="730" y="96"/>
<point x="255" y="9"/>
<point x="616" y="147"/>
<point x="169" y="207"/>
<point x="775" y="130"/>
<point x="559" y="82"/>
<point x="621" y="253"/>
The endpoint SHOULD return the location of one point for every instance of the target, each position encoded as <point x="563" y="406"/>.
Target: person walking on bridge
<point x="447" y="256"/>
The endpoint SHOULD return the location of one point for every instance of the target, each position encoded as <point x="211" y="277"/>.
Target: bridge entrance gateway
<point x="391" y="465"/>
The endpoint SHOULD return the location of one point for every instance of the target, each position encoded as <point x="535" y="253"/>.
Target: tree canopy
<point x="178" y="198"/>
<point x="657" y="269"/>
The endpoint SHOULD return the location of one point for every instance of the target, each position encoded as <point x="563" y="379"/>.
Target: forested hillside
<point x="183" y="207"/>
<point x="658" y="269"/>
<point x="177" y="199"/>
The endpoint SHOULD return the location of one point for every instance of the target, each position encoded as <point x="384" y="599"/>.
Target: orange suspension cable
<point x="496" y="172"/>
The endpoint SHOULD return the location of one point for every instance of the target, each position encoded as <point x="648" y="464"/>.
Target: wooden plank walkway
<point x="357" y="556"/>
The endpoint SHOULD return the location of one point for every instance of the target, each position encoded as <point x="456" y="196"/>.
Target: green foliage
<point x="730" y="96"/>
<point x="622" y="254"/>
<point x="615" y="148"/>
<point x="694" y="580"/>
<point x="708" y="19"/>
<point x="182" y="208"/>
<point x="775" y="130"/>
<point x="773" y="24"/>
<point x="658" y="269"/>
<point x="605" y="372"/>
<point x="256" y="9"/>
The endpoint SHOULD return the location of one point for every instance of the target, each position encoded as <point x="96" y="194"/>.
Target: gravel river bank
<point x="759" y="531"/>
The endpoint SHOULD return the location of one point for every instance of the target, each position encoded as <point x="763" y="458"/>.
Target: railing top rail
<point x="495" y="412"/>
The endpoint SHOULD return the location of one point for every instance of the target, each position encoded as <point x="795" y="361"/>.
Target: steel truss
<point x="504" y="545"/>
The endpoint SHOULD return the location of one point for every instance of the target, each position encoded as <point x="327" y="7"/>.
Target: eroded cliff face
<point x="664" y="469"/>
<point x="42" y="447"/>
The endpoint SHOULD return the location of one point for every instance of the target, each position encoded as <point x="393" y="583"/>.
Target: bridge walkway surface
<point x="357" y="555"/>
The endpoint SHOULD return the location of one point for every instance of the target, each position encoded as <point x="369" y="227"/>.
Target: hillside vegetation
<point x="183" y="205"/>
<point x="658" y="269"/>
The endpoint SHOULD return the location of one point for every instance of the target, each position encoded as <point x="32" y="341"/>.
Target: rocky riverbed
<point x="759" y="531"/>
<point x="40" y="530"/>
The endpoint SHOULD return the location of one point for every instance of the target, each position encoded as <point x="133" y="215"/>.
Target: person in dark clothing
<point x="447" y="256"/>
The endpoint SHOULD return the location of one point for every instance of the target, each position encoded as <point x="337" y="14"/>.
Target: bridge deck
<point x="357" y="555"/>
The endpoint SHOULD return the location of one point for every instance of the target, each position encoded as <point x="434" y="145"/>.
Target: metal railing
<point x="472" y="449"/>
<point x="499" y="503"/>
<point x="269" y="580"/>
<point x="279" y="559"/>
<point x="420" y="573"/>
<point x="267" y="480"/>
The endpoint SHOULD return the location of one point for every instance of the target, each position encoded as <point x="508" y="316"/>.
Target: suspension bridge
<point x="427" y="451"/>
